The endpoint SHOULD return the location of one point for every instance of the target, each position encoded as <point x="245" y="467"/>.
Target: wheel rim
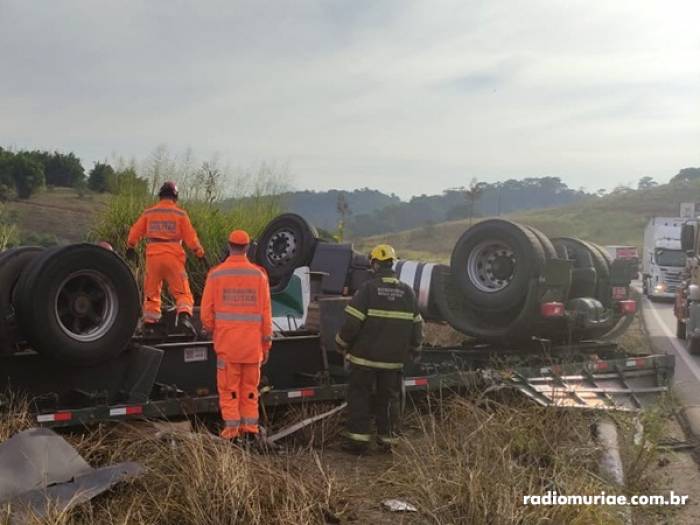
<point x="86" y="306"/>
<point x="491" y="266"/>
<point x="281" y="248"/>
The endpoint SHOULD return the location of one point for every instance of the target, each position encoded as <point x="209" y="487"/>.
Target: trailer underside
<point x="171" y="378"/>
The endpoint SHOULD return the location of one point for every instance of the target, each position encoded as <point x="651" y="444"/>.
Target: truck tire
<point x="78" y="304"/>
<point x="549" y="251"/>
<point x="584" y="277"/>
<point x="493" y="263"/>
<point x="286" y="243"/>
<point x="680" y="329"/>
<point x="602" y="262"/>
<point x="12" y="263"/>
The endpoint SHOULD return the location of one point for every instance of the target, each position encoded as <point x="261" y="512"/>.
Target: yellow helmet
<point x="382" y="252"/>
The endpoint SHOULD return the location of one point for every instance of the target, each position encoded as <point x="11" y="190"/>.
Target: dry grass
<point x="462" y="460"/>
<point x="60" y="214"/>
<point x="442" y="334"/>
<point x="473" y="463"/>
<point x="14" y="415"/>
<point x="197" y="478"/>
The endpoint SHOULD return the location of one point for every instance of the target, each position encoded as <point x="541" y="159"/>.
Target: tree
<point x="210" y="176"/>
<point x="102" y="178"/>
<point x="686" y="175"/>
<point x="128" y="182"/>
<point x="28" y="175"/>
<point x="646" y="183"/>
<point x="472" y="194"/>
<point x="63" y="170"/>
<point x="343" y="209"/>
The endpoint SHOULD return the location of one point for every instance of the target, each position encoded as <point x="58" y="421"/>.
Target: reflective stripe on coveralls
<point x="355" y="313"/>
<point x="229" y="316"/>
<point x="236" y="309"/>
<point x="373" y="364"/>
<point x="165" y="227"/>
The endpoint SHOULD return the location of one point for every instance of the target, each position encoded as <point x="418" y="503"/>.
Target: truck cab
<point x="663" y="258"/>
<point x="687" y="298"/>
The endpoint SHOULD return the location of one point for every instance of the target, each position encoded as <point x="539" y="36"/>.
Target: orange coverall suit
<point x="236" y="309"/>
<point x="165" y="226"/>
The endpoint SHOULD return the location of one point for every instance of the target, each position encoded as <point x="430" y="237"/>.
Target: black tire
<point x="680" y="329"/>
<point x="603" y="252"/>
<point x="286" y="243"/>
<point x="585" y="276"/>
<point x="550" y="251"/>
<point x="602" y="262"/>
<point x="494" y="261"/>
<point x="580" y="249"/>
<point x="12" y="263"/>
<point x="78" y="304"/>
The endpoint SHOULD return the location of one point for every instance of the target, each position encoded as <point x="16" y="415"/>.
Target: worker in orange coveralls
<point x="236" y="310"/>
<point x="165" y="226"/>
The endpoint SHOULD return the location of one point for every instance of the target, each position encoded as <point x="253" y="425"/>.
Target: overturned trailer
<point x="70" y="313"/>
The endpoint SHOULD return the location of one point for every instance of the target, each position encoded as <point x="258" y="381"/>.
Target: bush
<point x="28" y="175"/>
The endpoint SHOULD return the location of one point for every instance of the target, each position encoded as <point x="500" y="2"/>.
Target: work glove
<point x="131" y="255"/>
<point x="266" y="357"/>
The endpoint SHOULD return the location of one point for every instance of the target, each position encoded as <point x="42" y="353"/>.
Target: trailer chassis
<point x="172" y="378"/>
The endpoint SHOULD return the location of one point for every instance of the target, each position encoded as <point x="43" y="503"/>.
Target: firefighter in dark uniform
<point x="382" y="329"/>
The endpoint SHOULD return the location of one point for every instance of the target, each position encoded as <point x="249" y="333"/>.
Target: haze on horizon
<point x="407" y="97"/>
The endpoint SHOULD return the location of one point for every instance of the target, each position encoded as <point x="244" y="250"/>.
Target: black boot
<point x="184" y="321"/>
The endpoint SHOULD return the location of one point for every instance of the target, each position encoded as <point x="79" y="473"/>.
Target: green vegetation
<point x="368" y="212"/>
<point x="24" y="173"/>
<point x="213" y="224"/>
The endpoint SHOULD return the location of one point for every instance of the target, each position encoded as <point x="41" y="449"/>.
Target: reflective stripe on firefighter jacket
<point x="165" y="227"/>
<point x="236" y="308"/>
<point x="382" y="324"/>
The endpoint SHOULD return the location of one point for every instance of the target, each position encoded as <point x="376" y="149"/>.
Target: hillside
<point x="618" y="218"/>
<point x="54" y="216"/>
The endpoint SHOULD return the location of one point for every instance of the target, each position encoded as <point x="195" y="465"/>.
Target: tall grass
<point x="473" y="463"/>
<point x="461" y="460"/>
<point x="9" y="234"/>
<point x="210" y="220"/>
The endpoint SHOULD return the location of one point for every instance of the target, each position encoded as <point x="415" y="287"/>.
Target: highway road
<point x="661" y="326"/>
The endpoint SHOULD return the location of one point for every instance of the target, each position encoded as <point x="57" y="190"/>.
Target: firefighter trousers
<point x="171" y="269"/>
<point x="238" y="397"/>
<point x="373" y="392"/>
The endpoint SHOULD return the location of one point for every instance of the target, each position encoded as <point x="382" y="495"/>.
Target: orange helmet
<point x="239" y="237"/>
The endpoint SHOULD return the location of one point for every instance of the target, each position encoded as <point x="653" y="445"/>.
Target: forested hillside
<point x="369" y="212"/>
<point x="476" y="200"/>
<point x="616" y="218"/>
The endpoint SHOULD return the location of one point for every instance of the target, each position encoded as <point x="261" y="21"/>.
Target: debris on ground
<point x="42" y="471"/>
<point x="397" y="505"/>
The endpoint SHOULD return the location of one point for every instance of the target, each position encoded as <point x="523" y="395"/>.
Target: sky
<point x="408" y="97"/>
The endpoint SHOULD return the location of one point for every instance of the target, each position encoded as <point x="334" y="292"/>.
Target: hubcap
<point x="281" y="248"/>
<point x="491" y="266"/>
<point x="86" y="305"/>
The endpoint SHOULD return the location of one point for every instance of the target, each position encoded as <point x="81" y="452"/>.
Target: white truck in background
<point x="663" y="259"/>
